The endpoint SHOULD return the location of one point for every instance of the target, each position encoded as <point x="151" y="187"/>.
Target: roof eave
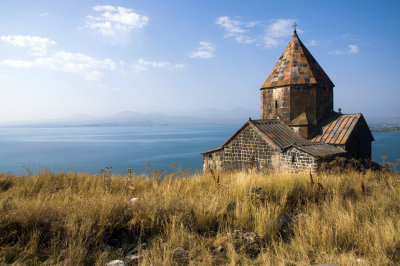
<point x="291" y="84"/>
<point x="325" y="155"/>
<point x="211" y="151"/>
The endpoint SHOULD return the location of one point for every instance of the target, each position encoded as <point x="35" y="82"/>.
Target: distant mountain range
<point x="383" y="121"/>
<point x="130" y="118"/>
<point x="210" y="116"/>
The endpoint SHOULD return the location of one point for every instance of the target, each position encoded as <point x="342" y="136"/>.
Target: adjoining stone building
<point x="298" y="128"/>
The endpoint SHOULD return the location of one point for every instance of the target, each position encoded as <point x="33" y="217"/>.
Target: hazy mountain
<point x="238" y="113"/>
<point x="211" y="116"/>
<point x="383" y="121"/>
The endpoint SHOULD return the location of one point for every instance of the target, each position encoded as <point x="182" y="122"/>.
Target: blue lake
<point x="88" y="149"/>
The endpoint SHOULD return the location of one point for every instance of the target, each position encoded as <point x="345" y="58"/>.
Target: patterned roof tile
<point x="337" y="128"/>
<point x="296" y="66"/>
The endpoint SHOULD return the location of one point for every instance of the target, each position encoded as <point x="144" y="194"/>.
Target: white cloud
<point x="17" y="63"/>
<point x="236" y="29"/>
<point x="312" y="43"/>
<point x="143" y="65"/>
<point x="255" y="32"/>
<point x="245" y="39"/>
<point x="88" y="67"/>
<point x="252" y="24"/>
<point x="112" y="21"/>
<point x="230" y="25"/>
<point x="344" y="36"/>
<point x="277" y="30"/>
<point x="38" y="45"/>
<point x="107" y="87"/>
<point x="352" y="49"/>
<point x="281" y="28"/>
<point x="205" y="50"/>
<point x="349" y="37"/>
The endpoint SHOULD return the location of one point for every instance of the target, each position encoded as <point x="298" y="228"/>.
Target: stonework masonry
<point x="249" y="149"/>
<point x="294" y="160"/>
<point x="275" y="103"/>
<point x="324" y="101"/>
<point x="287" y="103"/>
<point x="298" y="129"/>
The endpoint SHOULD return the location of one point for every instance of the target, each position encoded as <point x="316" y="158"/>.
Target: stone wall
<point x="295" y="160"/>
<point x="275" y="103"/>
<point x="213" y="160"/>
<point x="303" y="99"/>
<point x="324" y="101"/>
<point x="287" y="103"/>
<point x="249" y="149"/>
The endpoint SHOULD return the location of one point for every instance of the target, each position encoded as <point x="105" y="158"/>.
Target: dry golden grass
<point x="65" y="218"/>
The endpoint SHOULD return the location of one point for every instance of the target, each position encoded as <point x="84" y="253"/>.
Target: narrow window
<point x="276" y="104"/>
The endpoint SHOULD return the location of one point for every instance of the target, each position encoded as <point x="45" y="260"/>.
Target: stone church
<point x="298" y="129"/>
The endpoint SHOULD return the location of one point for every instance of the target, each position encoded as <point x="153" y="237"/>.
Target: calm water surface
<point x="88" y="149"/>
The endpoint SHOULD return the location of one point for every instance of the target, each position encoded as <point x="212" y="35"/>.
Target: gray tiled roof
<point x="283" y="137"/>
<point x="278" y="132"/>
<point x="321" y="150"/>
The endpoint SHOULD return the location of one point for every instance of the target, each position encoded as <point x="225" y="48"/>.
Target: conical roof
<point x="296" y="66"/>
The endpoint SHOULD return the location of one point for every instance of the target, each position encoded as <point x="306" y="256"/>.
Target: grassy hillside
<point x="71" y="219"/>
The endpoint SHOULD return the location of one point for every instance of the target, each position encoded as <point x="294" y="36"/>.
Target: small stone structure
<point x="298" y="128"/>
<point x="269" y="144"/>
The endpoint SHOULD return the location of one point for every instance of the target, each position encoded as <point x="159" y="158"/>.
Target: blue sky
<point x="60" y="58"/>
